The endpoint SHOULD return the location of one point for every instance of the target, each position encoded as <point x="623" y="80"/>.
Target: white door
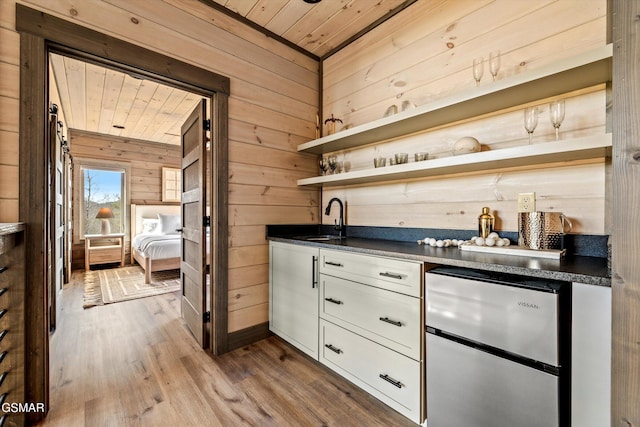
<point x="193" y="254"/>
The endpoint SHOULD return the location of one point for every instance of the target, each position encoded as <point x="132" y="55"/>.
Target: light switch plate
<point x="526" y="202"/>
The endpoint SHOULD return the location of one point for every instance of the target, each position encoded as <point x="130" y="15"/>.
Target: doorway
<point x="40" y="34"/>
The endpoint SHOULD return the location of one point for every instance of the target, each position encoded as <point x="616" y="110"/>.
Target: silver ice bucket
<point x="542" y="230"/>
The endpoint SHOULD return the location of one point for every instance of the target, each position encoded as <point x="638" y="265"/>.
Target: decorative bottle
<point x="486" y="222"/>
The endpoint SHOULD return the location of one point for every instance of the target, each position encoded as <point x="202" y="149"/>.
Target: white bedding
<point x="157" y="246"/>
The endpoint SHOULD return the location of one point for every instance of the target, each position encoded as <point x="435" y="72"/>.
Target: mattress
<point x="157" y="246"/>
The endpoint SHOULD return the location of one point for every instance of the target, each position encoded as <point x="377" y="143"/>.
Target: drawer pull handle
<point x="335" y="264"/>
<point x="392" y="275"/>
<point x="334" y="349"/>
<point x="3" y="376"/>
<point x="3" y="269"/>
<point x="393" y="322"/>
<point x="335" y="301"/>
<point x="3" y="334"/>
<point x="388" y="379"/>
<point x="3" y="397"/>
<point x="3" y="291"/>
<point x="314" y="276"/>
<point x="3" y="312"/>
<point x="3" y="355"/>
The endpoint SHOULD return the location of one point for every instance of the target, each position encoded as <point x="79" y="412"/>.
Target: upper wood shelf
<point x="592" y="147"/>
<point x="581" y="71"/>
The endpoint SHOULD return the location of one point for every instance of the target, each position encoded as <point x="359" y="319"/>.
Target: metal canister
<point x="542" y="230"/>
<point x="486" y="221"/>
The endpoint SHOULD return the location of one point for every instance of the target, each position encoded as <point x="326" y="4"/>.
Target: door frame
<point x="41" y="33"/>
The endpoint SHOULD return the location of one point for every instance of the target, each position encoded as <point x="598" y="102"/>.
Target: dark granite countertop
<point x="591" y="270"/>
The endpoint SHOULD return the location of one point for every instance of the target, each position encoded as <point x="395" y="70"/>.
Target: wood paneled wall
<point x="144" y="161"/>
<point x="424" y="54"/>
<point x="272" y="109"/>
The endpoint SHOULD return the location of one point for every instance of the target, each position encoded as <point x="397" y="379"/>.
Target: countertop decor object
<point x="466" y="145"/>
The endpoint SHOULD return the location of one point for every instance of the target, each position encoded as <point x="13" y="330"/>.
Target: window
<point x="171" y="185"/>
<point x="102" y="188"/>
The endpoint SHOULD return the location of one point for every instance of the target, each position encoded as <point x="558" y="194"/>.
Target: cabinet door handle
<point x="335" y="301"/>
<point x="393" y="322"/>
<point x="3" y="397"/>
<point x="3" y="312"/>
<point x="3" y="376"/>
<point x="314" y="276"/>
<point x="2" y="291"/>
<point x="334" y="349"/>
<point x="335" y="264"/>
<point x="3" y="334"/>
<point x="3" y="355"/>
<point x="3" y="269"/>
<point x="388" y="379"/>
<point x="392" y="275"/>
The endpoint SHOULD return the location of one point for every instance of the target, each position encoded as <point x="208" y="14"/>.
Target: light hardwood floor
<point x="135" y="364"/>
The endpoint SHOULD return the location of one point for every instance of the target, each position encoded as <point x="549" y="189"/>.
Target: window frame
<point x="80" y="164"/>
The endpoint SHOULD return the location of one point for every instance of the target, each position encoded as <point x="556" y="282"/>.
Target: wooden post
<point x="625" y="227"/>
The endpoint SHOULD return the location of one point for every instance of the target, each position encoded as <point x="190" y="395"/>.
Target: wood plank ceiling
<point x="318" y="28"/>
<point x="101" y="100"/>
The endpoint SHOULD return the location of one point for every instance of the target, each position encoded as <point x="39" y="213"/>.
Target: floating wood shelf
<point x="582" y="71"/>
<point x="592" y="147"/>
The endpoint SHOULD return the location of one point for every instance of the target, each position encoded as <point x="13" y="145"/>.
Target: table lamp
<point x="104" y="214"/>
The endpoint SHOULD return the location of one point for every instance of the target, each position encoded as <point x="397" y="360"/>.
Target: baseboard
<point x="248" y="336"/>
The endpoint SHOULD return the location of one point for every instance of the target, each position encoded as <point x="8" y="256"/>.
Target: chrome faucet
<point x="327" y="211"/>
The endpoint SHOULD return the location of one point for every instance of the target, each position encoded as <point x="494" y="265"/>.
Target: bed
<point x="155" y="243"/>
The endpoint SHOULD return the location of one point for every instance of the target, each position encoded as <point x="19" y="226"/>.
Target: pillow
<point x="167" y="224"/>
<point x="149" y="225"/>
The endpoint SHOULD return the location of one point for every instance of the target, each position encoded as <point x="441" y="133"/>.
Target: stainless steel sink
<point x="321" y="238"/>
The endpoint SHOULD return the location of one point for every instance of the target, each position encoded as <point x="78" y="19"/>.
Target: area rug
<point x="126" y="283"/>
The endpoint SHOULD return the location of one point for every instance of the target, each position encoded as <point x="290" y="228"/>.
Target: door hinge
<point x="206" y="221"/>
<point x="206" y="317"/>
<point x="206" y="124"/>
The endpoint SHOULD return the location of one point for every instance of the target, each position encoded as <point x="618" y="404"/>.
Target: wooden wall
<point x="272" y="108"/>
<point x="144" y="159"/>
<point x="425" y="53"/>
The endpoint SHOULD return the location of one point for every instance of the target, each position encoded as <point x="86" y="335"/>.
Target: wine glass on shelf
<point x="556" y="114"/>
<point x="333" y="163"/>
<point x="530" y="121"/>
<point x="324" y="165"/>
<point x="478" y="69"/>
<point x="494" y="63"/>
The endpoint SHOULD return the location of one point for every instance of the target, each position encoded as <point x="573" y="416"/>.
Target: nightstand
<point x="111" y="249"/>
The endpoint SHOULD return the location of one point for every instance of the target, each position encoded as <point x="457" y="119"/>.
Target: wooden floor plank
<point x="135" y="364"/>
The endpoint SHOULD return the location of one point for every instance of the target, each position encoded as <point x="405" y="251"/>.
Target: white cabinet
<point x="371" y="326"/>
<point x="293" y="295"/>
<point x="591" y="356"/>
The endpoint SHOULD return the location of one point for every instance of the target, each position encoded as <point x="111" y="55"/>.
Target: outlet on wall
<point x="526" y="202"/>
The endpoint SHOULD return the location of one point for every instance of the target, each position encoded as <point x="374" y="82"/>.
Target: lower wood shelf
<point x="592" y="147"/>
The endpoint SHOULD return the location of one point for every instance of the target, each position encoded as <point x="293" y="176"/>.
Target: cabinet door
<point x="293" y="295"/>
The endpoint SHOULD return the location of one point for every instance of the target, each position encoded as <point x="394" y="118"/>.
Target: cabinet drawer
<point x="387" y="273"/>
<point x="104" y="254"/>
<point x="386" y="317"/>
<point x="389" y="376"/>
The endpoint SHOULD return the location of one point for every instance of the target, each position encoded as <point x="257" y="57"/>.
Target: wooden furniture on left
<point x="103" y="254"/>
<point x="12" y="345"/>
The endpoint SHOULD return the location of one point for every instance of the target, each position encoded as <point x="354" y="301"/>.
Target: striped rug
<point x="126" y="283"/>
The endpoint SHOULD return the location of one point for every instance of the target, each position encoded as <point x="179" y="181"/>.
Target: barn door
<point x="57" y="219"/>
<point x="193" y="256"/>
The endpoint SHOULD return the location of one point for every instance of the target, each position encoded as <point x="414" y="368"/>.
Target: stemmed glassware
<point x="530" y="121"/>
<point x="478" y="69"/>
<point x="324" y="165"/>
<point x="556" y="114"/>
<point x="333" y="163"/>
<point x="494" y="63"/>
